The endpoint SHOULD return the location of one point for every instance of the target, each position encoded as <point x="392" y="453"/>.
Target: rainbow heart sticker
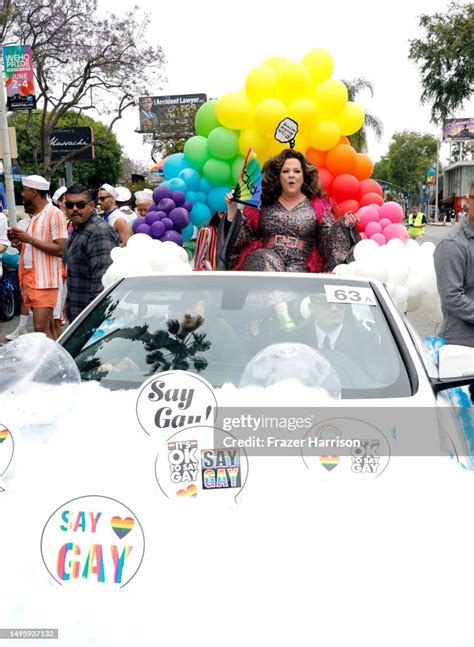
<point x="191" y="490"/>
<point x="329" y="462"/>
<point x="3" y="434"/>
<point x="122" y="527"/>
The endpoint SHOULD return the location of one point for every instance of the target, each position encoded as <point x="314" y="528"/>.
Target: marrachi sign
<point x="68" y="140"/>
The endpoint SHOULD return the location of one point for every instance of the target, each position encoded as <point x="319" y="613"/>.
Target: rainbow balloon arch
<point x="276" y="90"/>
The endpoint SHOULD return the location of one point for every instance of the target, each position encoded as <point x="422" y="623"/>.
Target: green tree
<point x="106" y="167"/>
<point x="371" y="122"/>
<point x="409" y="156"/>
<point x="82" y="62"/>
<point x="445" y="56"/>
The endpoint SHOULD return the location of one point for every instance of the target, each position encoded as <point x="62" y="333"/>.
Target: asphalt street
<point x="422" y="323"/>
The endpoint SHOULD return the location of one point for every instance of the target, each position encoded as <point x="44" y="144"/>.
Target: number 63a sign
<point x="350" y="294"/>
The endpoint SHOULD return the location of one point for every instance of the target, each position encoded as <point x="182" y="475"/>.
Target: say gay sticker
<point x="93" y="540"/>
<point x="175" y="400"/>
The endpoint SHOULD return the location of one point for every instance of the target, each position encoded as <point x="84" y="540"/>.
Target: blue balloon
<point x="176" y="184"/>
<point x="204" y="185"/>
<point x="173" y="165"/>
<point x="216" y="198"/>
<point x="191" y="196"/>
<point x="200" y="214"/>
<point x="10" y="257"/>
<point x="191" y="177"/>
<point x="201" y="197"/>
<point x="187" y="232"/>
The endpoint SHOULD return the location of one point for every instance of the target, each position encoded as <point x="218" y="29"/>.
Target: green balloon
<point x="196" y="152"/>
<point x="217" y="172"/>
<point x="205" y="120"/>
<point x="223" y="143"/>
<point x="236" y="167"/>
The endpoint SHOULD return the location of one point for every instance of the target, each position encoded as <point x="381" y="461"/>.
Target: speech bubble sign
<point x="286" y="132"/>
<point x="7" y="448"/>
<point x="366" y="450"/>
<point x="175" y="400"/>
<point x="201" y="463"/>
<point x="93" y="540"/>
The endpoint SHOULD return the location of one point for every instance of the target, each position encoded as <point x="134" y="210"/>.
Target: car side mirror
<point x="455" y="361"/>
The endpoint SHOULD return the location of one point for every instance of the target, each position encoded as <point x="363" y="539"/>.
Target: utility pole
<point x="7" y="160"/>
<point x="437" y="180"/>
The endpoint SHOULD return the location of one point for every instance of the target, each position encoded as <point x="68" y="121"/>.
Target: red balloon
<point x="326" y="179"/>
<point x="371" y="198"/>
<point x="349" y="205"/>
<point x="370" y="186"/>
<point x="345" y="187"/>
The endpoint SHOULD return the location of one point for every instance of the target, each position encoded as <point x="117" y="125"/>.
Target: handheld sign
<point x="249" y="187"/>
<point x="286" y="132"/>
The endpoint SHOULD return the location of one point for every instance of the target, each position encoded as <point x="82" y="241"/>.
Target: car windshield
<point x="215" y="326"/>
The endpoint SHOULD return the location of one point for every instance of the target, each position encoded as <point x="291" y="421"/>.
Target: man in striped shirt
<point x="41" y="251"/>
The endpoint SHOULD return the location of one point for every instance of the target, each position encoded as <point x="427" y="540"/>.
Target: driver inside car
<point x="334" y="330"/>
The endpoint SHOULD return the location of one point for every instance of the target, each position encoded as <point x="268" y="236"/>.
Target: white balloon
<point x="401" y="306"/>
<point x="117" y="253"/>
<point x="341" y="270"/>
<point x="413" y="284"/>
<point x="428" y="281"/>
<point x="139" y="241"/>
<point x="402" y="293"/>
<point x="351" y="268"/>
<point x="427" y="248"/>
<point x="399" y="273"/>
<point x="365" y="249"/>
<point x="414" y="302"/>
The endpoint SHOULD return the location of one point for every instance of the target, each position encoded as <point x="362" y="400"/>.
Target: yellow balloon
<point x="303" y="111"/>
<point x="293" y="81"/>
<point x="330" y="98"/>
<point x="301" y="143"/>
<point x="276" y="62"/>
<point x="324" y="136"/>
<point x="234" y="110"/>
<point x="351" y="119"/>
<point x="260" y="83"/>
<point x="249" y="138"/>
<point x="273" y="147"/>
<point x="320" y="65"/>
<point x="268" y="114"/>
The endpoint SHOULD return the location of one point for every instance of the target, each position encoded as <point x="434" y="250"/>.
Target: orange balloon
<point x="371" y="198"/>
<point x="363" y="167"/>
<point x="317" y="157"/>
<point x="345" y="140"/>
<point x="341" y="159"/>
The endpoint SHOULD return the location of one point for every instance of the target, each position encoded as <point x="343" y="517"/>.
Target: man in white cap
<point x="108" y="196"/>
<point x="58" y="198"/>
<point x="41" y="250"/>
<point x="143" y="199"/>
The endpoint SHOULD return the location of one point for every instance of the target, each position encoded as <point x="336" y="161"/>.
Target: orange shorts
<point x="34" y="297"/>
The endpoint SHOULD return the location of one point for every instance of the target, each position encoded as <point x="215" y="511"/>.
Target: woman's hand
<point x="350" y="219"/>
<point x="231" y="206"/>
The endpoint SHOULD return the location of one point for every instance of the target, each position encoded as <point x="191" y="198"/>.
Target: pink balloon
<point x="385" y="222"/>
<point x="392" y="211"/>
<point x="373" y="228"/>
<point x="395" y="231"/>
<point x="366" y="215"/>
<point x="379" y="239"/>
<point x="363" y="236"/>
<point x="376" y="207"/>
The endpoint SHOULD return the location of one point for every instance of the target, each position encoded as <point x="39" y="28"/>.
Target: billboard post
<point x="7" y="160"/>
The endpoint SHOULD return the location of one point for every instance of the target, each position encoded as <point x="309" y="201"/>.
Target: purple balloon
<point x="136" y="223"/>
<point x="157" y="229"/>
<point x="166" y="204"/>
<point x="143" y="229"/>
<point x="180" y="218"/>
<point x="161" y="192"/>
<point x="162" y="214"/>
<point x="178" y="197"/>
<point x="152" y="207"/>
<point x="152" y="217"/>
<point x="168" y="223"/>
<point x="173" y="237"/>
<point x="187" y="205"/>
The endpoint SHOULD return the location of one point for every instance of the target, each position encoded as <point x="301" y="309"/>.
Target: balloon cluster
<point x="167" y="217"/>
<point x="142" y="256"/>
<point x="381" y="223"/>
<point x="406" y="269"/>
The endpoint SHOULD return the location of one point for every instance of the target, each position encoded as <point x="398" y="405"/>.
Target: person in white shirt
<point x="111" y="213"/>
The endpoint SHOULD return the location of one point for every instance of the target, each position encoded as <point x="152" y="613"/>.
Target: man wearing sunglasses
<point x="87" y="251"/>
<point x="107" y="199"/>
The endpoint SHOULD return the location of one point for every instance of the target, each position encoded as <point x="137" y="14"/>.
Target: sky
<point x="211" y="47"/>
